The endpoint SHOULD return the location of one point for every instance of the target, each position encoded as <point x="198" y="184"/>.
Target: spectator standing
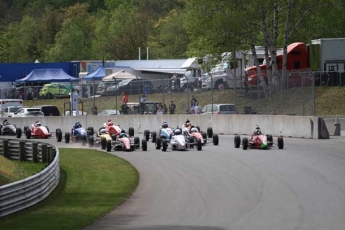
<point x="124" y="108"/>
<point x="74" y="98"/>
<point x="142" y="105"/>
<point x="197" y="108"/>
<point x="124" y="97"/>
<point x="94" y="109"/>
<point x="172" y="107"/>
<point x="193" y="101"/>
<point x="165" y="109"/>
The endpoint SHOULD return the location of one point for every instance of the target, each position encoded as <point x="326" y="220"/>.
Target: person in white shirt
<point x="197" y="108"/>
<point x="74" y="101"/>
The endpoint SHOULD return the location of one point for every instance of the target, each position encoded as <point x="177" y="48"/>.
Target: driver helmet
<point x="103" y="131"/>
<point x="123" y="133"/>
<point x="6" y="122"/>
<point x="194" y="130"/>
<point x="37" y="123"/>
<point x="187" y="123"/>
<point x="110" y="122"/>
<point x="177" y="132"/>
<point x="77" y="125"/>
<point x="165" y="124"/>
<point x="257" y="131"/>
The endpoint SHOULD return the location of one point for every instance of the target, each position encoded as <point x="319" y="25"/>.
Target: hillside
<point x="326" y="101"/>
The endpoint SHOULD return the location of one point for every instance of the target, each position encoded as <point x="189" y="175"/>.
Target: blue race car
<point x="79" y="133"/>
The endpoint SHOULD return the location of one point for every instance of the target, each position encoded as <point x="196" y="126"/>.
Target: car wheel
<point x="215" y="139"/>
<point x="237" y="141"/>
<point x="137" y="142"/>
<point x="18" y="132"/>
<point x="204" y="136"/>
<point x="280" y="143"/>
<point x="209" y="132"/>
<point x="49" y="96"/>
<point x="83" y="140"/>
<point x="108" y="145"/>
<point x="131" y="132"/>
<point x="164" y="145"/>
<point x="103" y="143"/>
<point x="154" y="136"/>
<point x="67" y="137"/>
<point x="144" y="144"/>
<point x="28" y="134"/>
<point x="147" y="135"/>
<point x="91" y="142"/>
<point x="58" y="134"/>
<point x="158" y="143"/>
<point x="90" y="131"/>
<point x="245" y="143"/>
<point x="199" y="144"/>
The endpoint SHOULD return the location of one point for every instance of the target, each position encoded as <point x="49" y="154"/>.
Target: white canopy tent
<point x="119" y="75"/>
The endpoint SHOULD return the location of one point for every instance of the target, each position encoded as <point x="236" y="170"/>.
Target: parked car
<point x="219" y="109"/>
<point x="29" y="112"/>
<point x="131" y="86"/>
<point x="10" y="110"/>
<point x="102" y="86"/>
<point x="108" y="112"/>
<point x="49" y="110"/>
<point x="54" y="90"/>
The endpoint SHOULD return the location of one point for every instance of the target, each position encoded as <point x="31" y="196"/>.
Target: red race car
<point x="258" y="140"/>
<point x="37" y="131"/>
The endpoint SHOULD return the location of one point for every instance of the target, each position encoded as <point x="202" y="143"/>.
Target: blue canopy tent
<point x="47" y="75"/>
<point x="97" y="75"/>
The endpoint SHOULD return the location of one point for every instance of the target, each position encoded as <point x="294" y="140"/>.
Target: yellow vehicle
<point x="54" y="90"/>
<point x="104" y="139"/>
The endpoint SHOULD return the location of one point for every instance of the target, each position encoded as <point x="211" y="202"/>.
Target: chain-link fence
<point x="295" y="96"/>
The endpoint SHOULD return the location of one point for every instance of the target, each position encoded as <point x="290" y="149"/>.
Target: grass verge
<point x="11" y="170"/>
<point x="92" y="183"/>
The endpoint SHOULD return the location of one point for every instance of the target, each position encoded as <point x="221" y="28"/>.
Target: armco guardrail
<point x="25" y="193"/>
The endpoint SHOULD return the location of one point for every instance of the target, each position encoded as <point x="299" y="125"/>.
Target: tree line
<point x="66" y="30"/>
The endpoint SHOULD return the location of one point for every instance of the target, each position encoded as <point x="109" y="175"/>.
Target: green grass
<point x="92" y="183"/>
<point x="11" y="170"/>
<point x="327" y="101"/>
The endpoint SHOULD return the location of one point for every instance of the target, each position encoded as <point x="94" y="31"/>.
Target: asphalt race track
<point x="300" y="187"/>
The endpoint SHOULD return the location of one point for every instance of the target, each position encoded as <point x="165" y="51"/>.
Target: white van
<point x="4" y="103"/>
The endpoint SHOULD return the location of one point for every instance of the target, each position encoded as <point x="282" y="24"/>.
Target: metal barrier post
<point x="44" y="149"/>
<point x="6" y="149"/>
<point x="35" y="152"/>
<point x="22" y="153"/>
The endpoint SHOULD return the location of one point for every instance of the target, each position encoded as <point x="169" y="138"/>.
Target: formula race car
<point x="116" y="130"/>
<point x="163" y="134"/>
<point x="77" y="134"/>
<point x="37" y="131"/>
<point x="192" y="135"/>
<point x="119" y="142"/>
<point x="177" y="142"/>
<point x="8" y="129"/>
<point x="258" y="141"/>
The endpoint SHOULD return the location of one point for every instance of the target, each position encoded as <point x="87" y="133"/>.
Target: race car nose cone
<point x="264" y="145"/>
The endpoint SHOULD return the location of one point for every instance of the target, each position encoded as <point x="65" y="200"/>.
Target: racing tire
<point x="91" y="142"/>
<point x="209" y="132"/>
<point x="137" y="142"/>
<point x="269" y="140"/>
<point x="199" y="144"/>
<point x="147" y="135"/>
<point x="113" y="137"/>
<point x="198" y="127"/>
<point x="144" y="144"/>
<point x="26" y="128"/>
<point x="164" y="145"/>
<point x="58" y="134"/>
<point x="215" y="139"/>
<point x="83" y="140"/>
<point x="158" y="143"/>
<point x="90" y="131"/>
<point x="237" y="141"/>
<point x="108" y="145"/>
<point x="103" y="143"/>
<point x="154" y="136"/>
<point x="280" y="143"/>
<point x="67" y="137"/>
<point x="245" y="143"/>
<point x="0" y="130"/>
<point x="18" y="132"/>
<point x="28" y="134"/>
<point x="131" y="131"/>
<point x="204" y="136"/>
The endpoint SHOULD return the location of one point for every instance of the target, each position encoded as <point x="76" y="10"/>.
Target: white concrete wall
<point x="288" y="126"/>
